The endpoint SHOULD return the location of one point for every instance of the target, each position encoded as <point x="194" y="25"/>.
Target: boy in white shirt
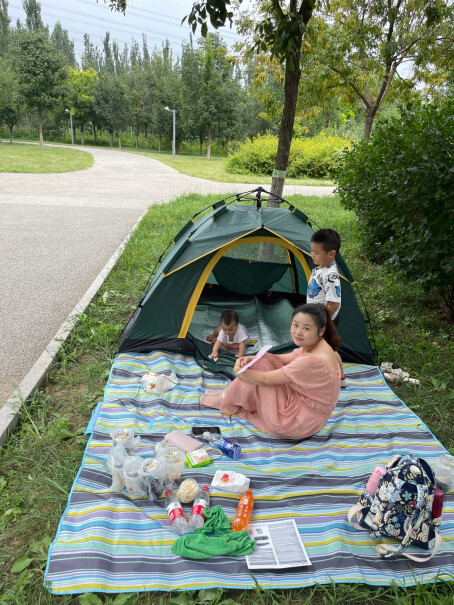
<point x="230" y="335"/>
<point x="324" y="284"/>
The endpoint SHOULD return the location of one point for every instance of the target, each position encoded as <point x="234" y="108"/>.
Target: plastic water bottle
<point x="176" y="514"/>
<point x="243" y="512"/>
<point x="201" y="501"/>
<point x="227" y="447"/>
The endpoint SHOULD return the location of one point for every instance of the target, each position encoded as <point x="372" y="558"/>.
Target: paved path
<point x="57" y="231"/>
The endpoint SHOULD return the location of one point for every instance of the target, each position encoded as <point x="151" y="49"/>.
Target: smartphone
<point x="199" y="430"/>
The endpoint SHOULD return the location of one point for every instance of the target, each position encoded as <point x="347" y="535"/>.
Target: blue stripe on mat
<point x="108" y="543"/>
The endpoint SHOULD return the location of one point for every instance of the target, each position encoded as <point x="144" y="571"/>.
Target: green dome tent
<point x="244" y="256"/>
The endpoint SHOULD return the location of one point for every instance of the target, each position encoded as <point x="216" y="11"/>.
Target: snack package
<point x="198" y="457"/>
<point x="158" y="383"/>
<point x="231" y="481"/>
<point x="173" y="461"/>
<point x="133" y="480"/>
<point x="124" y="436"/>
<point x="152" y="474"/>
<point x="115" y="461"/>
<point x="187" y="491"/>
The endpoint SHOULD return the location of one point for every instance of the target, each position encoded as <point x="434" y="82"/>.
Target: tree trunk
<point x="159" y="143"/>
<point x="40" y="126"/>
<point x="328" y="119"/>
<point x="119" y="139"/>
<point x="137" y="139"/>
<point x="292" y="78"/>
<point x="209" y="144"/>
<point x="82" y="134"/>
<point x="111" y="136"/>
<point x="370" y="115"/>
<point x="201" y="144"/>
<point x="11" y="127"/>
<point x="94" y="133"/>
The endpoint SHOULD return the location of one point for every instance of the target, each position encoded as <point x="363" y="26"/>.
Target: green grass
<point x="214" y="169"/>
<point x="20" y="157"/>
<point x="192" y="165"/>
<point x="40" y="460"/>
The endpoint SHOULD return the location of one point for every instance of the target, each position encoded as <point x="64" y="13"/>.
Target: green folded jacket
<point x="200" y="545"/>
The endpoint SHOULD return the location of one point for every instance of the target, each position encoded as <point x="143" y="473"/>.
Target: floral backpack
<point x="401" y="508"/>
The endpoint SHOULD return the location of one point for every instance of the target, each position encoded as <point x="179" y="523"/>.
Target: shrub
<point x="318" y="157"/>
<point x="400" y="184"/>
<point x="254" y="157"/>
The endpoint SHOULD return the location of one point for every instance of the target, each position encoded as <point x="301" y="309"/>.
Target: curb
<point x="9" y="413"/>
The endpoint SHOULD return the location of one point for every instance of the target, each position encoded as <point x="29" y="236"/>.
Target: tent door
<point x="219" y="254"/>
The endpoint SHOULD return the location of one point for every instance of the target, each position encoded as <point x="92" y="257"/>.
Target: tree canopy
<point x="363" y="44"/>
<point x="39" y="70"/>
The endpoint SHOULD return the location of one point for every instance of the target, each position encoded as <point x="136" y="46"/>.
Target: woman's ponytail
<point x="331" y="336"/>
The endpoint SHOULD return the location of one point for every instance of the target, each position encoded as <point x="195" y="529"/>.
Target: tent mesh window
<point x="247" y="271"/>
<point x="243" y="270"/>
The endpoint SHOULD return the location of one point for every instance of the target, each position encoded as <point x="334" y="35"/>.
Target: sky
<point x="157" y="19"/>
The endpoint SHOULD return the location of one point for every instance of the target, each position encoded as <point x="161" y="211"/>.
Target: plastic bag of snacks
<point x="187" y="491"/>
<point x="133" y="479"/>
<point x="152" y="474"/>
<point x="125" y="436"/>
<point x="115" y="461"/>
<point x="158" y="383"/>
<point x="173" y="461"/>
<point x="231" y="481"/>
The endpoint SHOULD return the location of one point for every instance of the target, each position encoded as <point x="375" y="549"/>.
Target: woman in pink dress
<point x="290" y="395"/>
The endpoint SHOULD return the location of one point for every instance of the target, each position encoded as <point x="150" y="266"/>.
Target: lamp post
<point x="71" y="124"/>
<point x="173" y="138"/>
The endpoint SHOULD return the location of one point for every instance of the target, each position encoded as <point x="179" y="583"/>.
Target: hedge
<point x="400" y="184"/>
<point x="318" y="157"/>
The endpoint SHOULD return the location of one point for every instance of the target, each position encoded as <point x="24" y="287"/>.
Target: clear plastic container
<point x="133" y="480"/>
<point x="152" y="473"/>
<point x="173" y="459"/>
<point x="444" y="473"/>
<point x="115" y="461"/>
<point x="125" y="436"/>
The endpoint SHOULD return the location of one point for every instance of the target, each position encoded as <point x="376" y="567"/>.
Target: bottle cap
<point x="169" y="491"/>
<point x="206" y="488"/>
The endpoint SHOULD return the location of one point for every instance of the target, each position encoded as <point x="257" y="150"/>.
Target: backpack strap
<point x="354" y="509"/>
<point x="386" y="551"/>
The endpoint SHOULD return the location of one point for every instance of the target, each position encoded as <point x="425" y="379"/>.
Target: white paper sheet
<point x="279" y="545"/>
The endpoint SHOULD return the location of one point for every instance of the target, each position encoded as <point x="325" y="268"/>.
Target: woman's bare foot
<point x="212" y="399"/>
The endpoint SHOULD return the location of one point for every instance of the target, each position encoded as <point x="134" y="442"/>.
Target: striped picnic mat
<point x="107" y="542"/>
